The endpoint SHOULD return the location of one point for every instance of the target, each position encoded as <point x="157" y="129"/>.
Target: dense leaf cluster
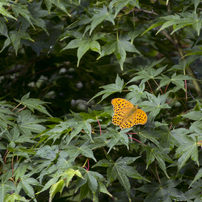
<point x="62" y="52"/>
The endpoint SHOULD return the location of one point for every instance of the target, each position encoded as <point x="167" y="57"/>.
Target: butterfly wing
<point x="120" y="103"/>
<point x="127" y="122"/>
<point x="122" y="111"/>
<point x="136" y="117"/>
<point x="140" y="117"/>
<point x="126" y="115"/>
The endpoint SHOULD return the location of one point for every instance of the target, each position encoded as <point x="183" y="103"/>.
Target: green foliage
<point x="60" y="53"/>
<point x="59" y="158"/>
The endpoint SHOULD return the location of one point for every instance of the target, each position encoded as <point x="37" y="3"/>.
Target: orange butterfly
<point x="126" y="115"/>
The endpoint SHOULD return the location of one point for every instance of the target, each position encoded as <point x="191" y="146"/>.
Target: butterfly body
<point x="126" y="114"/>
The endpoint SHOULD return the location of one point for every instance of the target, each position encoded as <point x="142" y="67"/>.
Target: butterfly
<point x="126" y="114"/>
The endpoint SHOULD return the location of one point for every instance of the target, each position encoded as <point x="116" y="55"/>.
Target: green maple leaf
<point x="119" y="46"/>
<point x="189" y="149"/>
<point x="164" y="191"/>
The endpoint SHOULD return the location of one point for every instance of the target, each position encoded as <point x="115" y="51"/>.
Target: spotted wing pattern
<point x="122" y="108"/>
<point x="126" y="115"/>
<point x="140" y="117"/>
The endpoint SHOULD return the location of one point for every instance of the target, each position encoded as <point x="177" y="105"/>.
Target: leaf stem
<point x="150" y="87"/>
<point x="136" y="140"/>
<point x="16" y="106"/>
<point x="84" y="165"/>
<point x="158" y="86"/>
<point x="166" y="88"/>
<point x="99" y="126"/>
<point x="21" y="109"/>
<point x="185" y="84"/>
<point x="157" y="172"/>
